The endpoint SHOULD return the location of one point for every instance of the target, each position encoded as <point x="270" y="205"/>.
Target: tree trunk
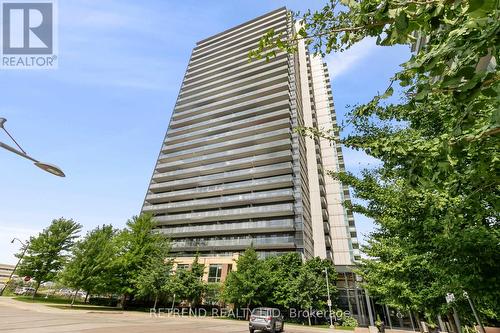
<point x="309" y="316"/>
<point x="74" y="296"/>
<point x="418" y="322"/>
<point x="156" y="301"/>
<point x="122" y="302"/>
<point x="248" y="310"/>
<point x="452" y="322"/>
<point x="36" y="289"/>
<point x="173" y="303"/>
<point x="86" y="297"/>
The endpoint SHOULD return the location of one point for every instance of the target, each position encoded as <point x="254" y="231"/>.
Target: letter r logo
<point x="27" y="28"/>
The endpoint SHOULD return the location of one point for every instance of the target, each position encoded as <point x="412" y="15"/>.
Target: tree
<point x="188" y="283"/>
<point x="89" y="268"/>
<point x="47" y="252"/>
<point x="309" y="288"/>
<point x="137" y="244"/>
<point x="155" y="274"/>
<point x="435" y="197"/>
<point x="283" y="271"/>
<point x="248" y="285"/>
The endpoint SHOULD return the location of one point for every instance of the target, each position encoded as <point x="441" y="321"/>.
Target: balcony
<point x="278" y="242"/>
<point x="206" y="139"/>
<point x="222" y="59"/>
<point x="188" y="118"/>
<point x="220" y="41"/>
<point x="233" y="92"/>
<point x="242" y="163"/>
<point x="224" y="146"/>
<point x="224" y="177"/>
<point x="221" y="202"/>
<point x="230" y="228"/>
<point x="222" y="189"/>
<point x="218" y="125"/>
<point x="227" y="214"/>
<point x="230" y="101"/>
<point x="200" y="90"/>
<point x="225" y="156"/>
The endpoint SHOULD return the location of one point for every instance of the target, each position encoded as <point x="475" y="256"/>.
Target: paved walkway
<point x="16" y="316"/>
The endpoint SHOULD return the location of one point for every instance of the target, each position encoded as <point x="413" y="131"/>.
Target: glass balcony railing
<point x="187" y="118"/>
<point x="224" y="177"/>
<point x="233" y="227"/>
<point x="225" y="201"/>
<point x="229" y="133"/>
<point x="228" y="214"/>
<point x="256" y="160"/>
<point x="227" y="155"/>
<point x="233" y="242"/>
<point x="212" y="128"/>
<point x="231" y="144"/>
<point x="223" y="189"/>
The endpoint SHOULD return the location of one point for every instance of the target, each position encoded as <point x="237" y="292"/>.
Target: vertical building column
<point x="312" y="166"/>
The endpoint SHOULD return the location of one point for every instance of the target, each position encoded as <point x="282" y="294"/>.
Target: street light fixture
<point x="50" y="168"/>
<point x="25" y="248"/>
<point x="329" y="301"/>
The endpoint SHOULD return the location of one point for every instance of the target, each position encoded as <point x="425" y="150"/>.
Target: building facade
<point x="233" y="173"/>
<point x="5" y="272"/>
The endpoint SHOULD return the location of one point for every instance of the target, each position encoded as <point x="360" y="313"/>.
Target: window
<point x="214" y="273"/>
<point x="182" y="266"/>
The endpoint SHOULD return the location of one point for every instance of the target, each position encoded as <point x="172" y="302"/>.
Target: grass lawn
<point x="85" y="307"/>
<point x="48" y="300"/>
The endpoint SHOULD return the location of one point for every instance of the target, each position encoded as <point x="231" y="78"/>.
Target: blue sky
<point x="101" y="116"/>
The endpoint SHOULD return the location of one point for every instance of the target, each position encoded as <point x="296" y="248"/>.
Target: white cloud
<point x="342" y="62"/>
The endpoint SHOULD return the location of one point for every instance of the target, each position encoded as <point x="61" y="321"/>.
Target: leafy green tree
<point x="213" y="293"/>
<point x="248" y="285"/>
<point x="188" y="283"/>
<point x="309" y="288"/>
<point x="47" y="253"/>
<point x="137" y="244"/>
<point x="435" y="197"/>
<point x="90" y="265"/>
<point x="155" y="275"/>
<point x="283" y="271"/>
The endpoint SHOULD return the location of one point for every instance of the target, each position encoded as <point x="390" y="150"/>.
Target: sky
<point x="102" y="114"/>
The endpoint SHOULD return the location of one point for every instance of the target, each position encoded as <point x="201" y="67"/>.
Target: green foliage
<point x="280" y="281"/>
<point x="349" y="321"/>
<point x="137" y="245"/>
<point x="248" y="285"/>
<point x="309" y="288"/>
<point x="435" y="197"/>
<point x="192" y="283"/>
<point x="89" y="268"/>
<point x="47" y="253"/>
<point x="155" y="274"/>
<point x="284" y="270"/>
<point x="213" y="293"/>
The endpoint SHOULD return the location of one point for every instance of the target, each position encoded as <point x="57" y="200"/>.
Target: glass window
<point x="182" y="266"/>
<point x="214" y="273"/>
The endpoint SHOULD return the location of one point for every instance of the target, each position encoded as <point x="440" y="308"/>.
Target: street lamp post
<point x="329" y="299"/>
<point x="25" y="248"/>
<point x="50" y="168"/>
<point x="450" y="299"/>
<point x="481" y="327"/>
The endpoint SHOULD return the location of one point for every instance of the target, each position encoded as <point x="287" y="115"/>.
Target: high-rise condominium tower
<point x="233" y="173"/>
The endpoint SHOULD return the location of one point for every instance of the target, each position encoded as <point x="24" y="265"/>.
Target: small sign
<point x="450" y="297"/>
